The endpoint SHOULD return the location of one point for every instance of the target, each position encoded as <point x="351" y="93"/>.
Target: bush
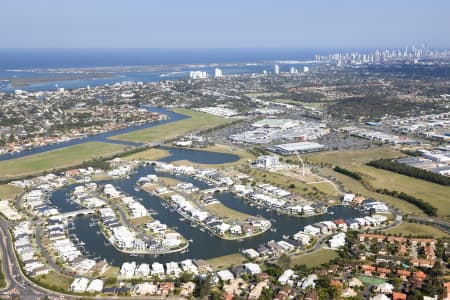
<point x="347" y="172"/>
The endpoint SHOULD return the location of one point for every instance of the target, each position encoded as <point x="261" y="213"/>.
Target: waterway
<point x="103" y="137"/>
<point x="204" y="245"/>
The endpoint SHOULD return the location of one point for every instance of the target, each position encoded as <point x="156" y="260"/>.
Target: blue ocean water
<point x="127" y="64"/>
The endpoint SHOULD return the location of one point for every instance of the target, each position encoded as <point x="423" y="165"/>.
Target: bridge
<point x="80" y="212"/>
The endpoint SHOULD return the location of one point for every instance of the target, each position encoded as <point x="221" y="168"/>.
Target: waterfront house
<point x="157" y="269"/>
<point x="127" y="270"/>
<point x="311" y="230"/>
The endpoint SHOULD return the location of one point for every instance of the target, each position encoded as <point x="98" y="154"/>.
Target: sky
<point x="223" y="23"/>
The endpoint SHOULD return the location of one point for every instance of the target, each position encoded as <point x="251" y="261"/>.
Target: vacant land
<point x="55" y="281"/>
<point x="314" y="259"/>
<point x="8" y="191"/>
<point x="150" y="154"/>
<point x="416" y="230"/>
<point x="357" y="187"/>
<point x="353" y="157"/>
<point x="294" y="185"/>
<point x="221" y="210"/>
<point x="244" y="156"/>
<point x="56" y="159"/>
<point x="197" y="121"/>
<point x="226" y="261"/>
<point x="435" y="194"/>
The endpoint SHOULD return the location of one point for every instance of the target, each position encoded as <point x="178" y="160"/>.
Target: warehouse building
<point x="293" y="148"/>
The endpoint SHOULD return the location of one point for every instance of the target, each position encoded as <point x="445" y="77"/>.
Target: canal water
<point x="204" y="245"/>
<point x="103" y="137"/>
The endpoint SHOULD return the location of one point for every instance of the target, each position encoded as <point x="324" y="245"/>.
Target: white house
<point x="252" y="268"/>
<point x="79" y="285"/>
<point x="311" y="230"/>
<point x="337" y="241"/>
<point x="225" y="275"/>
<point x="127" y="269"/>
<point x="157" y="269"/>
<point x="95" y="286"/>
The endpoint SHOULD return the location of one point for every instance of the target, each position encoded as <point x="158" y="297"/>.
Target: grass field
<point x="57" y="280"/>
<point x="150" y="154"/>
<point x="226" y="261"/>
<point x="353" y="157"/>
<point x="314" y="259"/>
<point x="356" y="187"/>
<point x="243" y="157"/>
<point x="221" y="210"/>
<point x="8" y="191"/>
<point x="416" y="230"/>
<point x="299" y="187"/>
<point x="436" y="195"/>
<point x="197" y="121"/>
<point x="55" y="159"/>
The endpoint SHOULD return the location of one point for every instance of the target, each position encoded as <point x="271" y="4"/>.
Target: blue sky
<point x="223" y="23"/>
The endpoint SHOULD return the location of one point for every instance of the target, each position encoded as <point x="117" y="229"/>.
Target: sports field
<point x="197" y="121"/>
<point x="56" y="159"/>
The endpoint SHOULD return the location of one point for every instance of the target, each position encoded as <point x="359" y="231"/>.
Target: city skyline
<point x="201" y="24"/>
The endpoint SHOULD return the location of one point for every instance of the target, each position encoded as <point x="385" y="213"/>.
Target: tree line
<point x="349" y="173"/>
<point x="424" y="206"/>
<point x="407" y="170"/>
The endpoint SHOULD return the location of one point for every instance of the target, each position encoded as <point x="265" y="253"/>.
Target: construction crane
<point x="303" y="164"/>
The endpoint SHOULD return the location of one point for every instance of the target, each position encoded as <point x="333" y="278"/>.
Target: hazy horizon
<point x="202" y="24"/>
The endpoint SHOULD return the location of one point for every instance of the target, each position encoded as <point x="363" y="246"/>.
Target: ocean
<point x="48" y="69"/>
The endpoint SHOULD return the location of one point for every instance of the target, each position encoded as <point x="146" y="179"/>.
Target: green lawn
<point x="55" y="281"/>
<point x="227" y="261"/>
<point x="197" y="121"/>
<point x="415" y="229"/>
<point x="60" y="158"/>
<point x="314" y="259"/>
<point x="8" y="191"/>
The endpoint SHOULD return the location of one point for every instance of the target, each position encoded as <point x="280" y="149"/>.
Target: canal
<point x="204" y="245"/>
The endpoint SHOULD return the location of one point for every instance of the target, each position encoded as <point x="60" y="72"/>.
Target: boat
<point x="182" y="219"/>
<point x="273" y="229"/>
<point x="285" y="237"/>
<point x="191" y="240"/>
